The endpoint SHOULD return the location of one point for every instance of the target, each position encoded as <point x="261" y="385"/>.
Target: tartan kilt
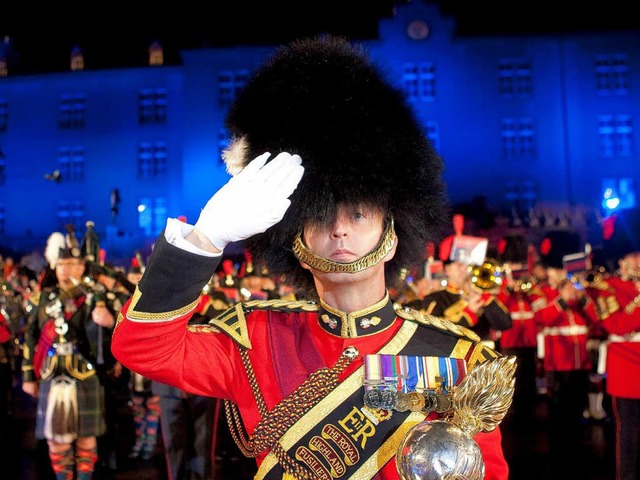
<point x="91" y="409"/>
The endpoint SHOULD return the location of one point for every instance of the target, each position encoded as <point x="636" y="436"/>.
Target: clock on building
<point x="418" y="30"/>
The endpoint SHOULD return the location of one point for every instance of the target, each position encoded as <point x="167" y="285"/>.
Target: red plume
<point x="445" y="248"/>
<point x="227" y="267"/>
<point x="458" y="223"/>
<point x="545" y="246"/>
<point x="102" y="254"/>
<point x="608" y="227"/>
<point x="135" y="263"/>
<point x="502" y="245"/>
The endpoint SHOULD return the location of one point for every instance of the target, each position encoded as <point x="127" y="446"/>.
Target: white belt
<point x="566" y="331"/>
<point x="630" y="337"/>
<point x="521" y="315"/>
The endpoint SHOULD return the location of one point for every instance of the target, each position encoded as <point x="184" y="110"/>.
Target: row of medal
<point x="427" y="401"/>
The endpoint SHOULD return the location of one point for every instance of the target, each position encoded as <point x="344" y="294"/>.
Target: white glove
<point x="252" y="201"/>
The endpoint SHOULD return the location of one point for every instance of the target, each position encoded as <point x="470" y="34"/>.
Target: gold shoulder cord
<point x="276" y="422"/>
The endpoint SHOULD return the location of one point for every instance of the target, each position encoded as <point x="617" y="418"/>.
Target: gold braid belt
<point x="276" y="422"/>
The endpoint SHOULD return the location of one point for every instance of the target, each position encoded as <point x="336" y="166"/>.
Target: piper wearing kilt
<point x="61" y="364"/>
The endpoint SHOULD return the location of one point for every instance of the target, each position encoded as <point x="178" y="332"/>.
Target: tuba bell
<point x="487" y="277"/>
<point x="591" y="277"/>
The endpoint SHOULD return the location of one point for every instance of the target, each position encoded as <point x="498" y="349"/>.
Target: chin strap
<point x="325" y="265"/>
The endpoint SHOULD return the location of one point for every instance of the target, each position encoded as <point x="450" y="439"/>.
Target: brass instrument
<point x="593" y="276"/>
<point x="520" y="280"/>
<point x="524" y="285"/>
<point x="486" y="277"/>
<point x="588" y="278"/>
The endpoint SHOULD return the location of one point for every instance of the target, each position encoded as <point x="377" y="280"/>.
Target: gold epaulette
<point x="601" y="283"/>
<point x="234" y="323"/>
<point x="436" y="322"/>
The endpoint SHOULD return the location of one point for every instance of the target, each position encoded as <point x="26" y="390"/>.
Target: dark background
<point x="118" y="34"/>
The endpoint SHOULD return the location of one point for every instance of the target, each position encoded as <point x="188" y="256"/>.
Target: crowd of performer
<point x="570" y="317"/>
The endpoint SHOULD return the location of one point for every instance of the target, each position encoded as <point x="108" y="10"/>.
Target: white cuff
<point x="175" y="233"/>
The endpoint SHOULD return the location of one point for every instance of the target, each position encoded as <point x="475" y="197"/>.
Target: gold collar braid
<point x="325" y="265"/>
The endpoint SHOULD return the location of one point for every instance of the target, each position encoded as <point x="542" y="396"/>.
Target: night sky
<point x="117" y="34"/>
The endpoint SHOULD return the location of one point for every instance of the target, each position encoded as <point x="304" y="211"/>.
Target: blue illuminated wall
<point x="466" y="112"/>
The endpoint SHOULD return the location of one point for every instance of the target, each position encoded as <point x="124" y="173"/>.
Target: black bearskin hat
<point x="325" y="100"/>
<point x="558" y="243"/>
<point x="513" y="248"/>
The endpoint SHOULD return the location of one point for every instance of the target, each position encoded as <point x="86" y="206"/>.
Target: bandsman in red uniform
<point x="360" y="194"/>
<point x="463" y="301"/>
<point x="522" y="297"/>
<point x="566" y="323"/>
<point x="618" y="300"/>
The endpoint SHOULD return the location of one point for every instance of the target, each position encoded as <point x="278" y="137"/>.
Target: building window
<point x="612" y="74"/>
<point x="71" y="163"/>
<point x="77" y="59"/>
<point x="71" y="212"/>
<point x="152" y="105"/>
<point x="518" y="138"/>
<point x="433" y="133"/>
<point x="156" y="54"/>
<point x="230" y="82"/>
<point x="419" y="81"/>
<point x="152" y="160"/>
<point x="152" y="215"/>
<point x="4" y="115"/>
<point x="72" y="110"/>
<point x="514" y="78"/>
<point x="616" y="135"/>
<point x="521" y="196"/>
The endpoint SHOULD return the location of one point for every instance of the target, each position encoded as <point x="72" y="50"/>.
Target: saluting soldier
<point x="349" y="187"/>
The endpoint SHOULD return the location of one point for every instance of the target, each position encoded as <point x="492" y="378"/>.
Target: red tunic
<point x="524" y="330"/>
<point x="621" y="319"/>
<point x="5" y="332"/>
<point x="566" y="330"/>
<point x="285" y="348"/>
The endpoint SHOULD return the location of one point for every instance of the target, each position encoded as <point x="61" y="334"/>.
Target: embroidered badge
<point x="332" y="323"/>
<point x="368" y="322"/>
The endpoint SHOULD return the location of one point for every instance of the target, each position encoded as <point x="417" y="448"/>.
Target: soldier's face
<point x="69" y="270"/>
<point x="354" y="232"/>
<point x="557" y="277"/>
